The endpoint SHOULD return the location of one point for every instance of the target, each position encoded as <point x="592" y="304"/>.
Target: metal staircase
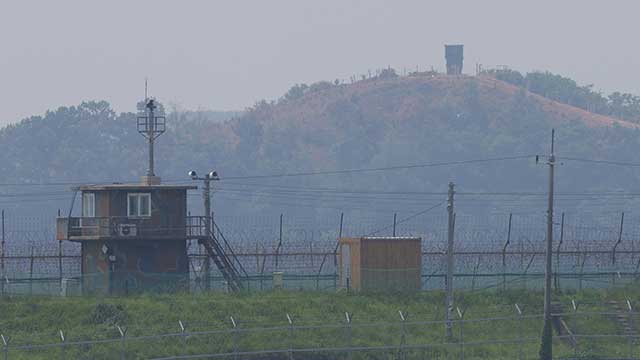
<point x="224" y="258"/>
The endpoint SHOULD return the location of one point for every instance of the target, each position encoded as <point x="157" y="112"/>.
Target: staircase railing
<point x="226" y="260"/>
<point x="234" y="258"/>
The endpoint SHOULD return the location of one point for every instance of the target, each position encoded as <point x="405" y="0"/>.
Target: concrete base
<point x="151" y="180"/>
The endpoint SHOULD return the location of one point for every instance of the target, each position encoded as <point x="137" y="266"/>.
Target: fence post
<point x="2" y="254"/>
<point x="615" y="246"/>
<point x="335" y="252"/>
<point x="395" y="218"/>
<point x="31" y="272"/>
<point x="575" y="326"/>
<point x="403" y="338"/>
<point x="584" y="259"/>
<point x="290" y="320"/>
<point x="520" y="334"/>
<point x="475" y="273"/>
<point x="60" y="259"/>
<point x="461" y="315"/>
<point x="62" y="344"/>
<point x="123" y="341"/>
<point x="504" y="255"/>
<point x="630" y="333"/>
<point x="235" y="337"/>
<point x="279" y="242"/>
<point x="348" y="317"/>
<point x="183" y="333"/>
<point x="556" y="277"/>
<point x="5" y="347"/>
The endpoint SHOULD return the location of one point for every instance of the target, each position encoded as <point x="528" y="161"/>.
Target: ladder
<point x="224" y="258"/>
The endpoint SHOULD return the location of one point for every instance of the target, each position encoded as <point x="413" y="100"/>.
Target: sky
<point x="227" y="55"/>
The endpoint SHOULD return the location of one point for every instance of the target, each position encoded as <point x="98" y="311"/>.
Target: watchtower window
<point x="139" y="205"/>
<point x="88" y="205"/>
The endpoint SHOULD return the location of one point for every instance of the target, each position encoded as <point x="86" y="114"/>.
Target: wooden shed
<point x="380" y="263"/>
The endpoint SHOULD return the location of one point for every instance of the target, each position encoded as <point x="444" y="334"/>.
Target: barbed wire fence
<point x="510" y="332"/>
<point x="499" y="250"/>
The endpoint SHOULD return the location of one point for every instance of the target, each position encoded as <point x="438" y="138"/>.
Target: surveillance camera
<point x="193" y="174"/>
<point x="213" y="175"/>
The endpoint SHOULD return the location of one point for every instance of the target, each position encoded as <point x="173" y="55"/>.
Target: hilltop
<point x="382" y="121"/>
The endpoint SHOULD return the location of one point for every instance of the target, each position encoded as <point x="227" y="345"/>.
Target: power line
<point x="407" y="218"/>
<point x="605" y="162"/>
<point x="399" y="167"/>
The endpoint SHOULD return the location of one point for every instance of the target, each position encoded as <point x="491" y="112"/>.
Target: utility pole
<point x="206" y="196"/>
<point x="449" y="280"/>
<point x="546" y="344"/>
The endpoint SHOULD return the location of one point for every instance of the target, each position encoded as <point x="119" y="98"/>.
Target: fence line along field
<point x="319" y="325"/>
<point x="496" y="251"/>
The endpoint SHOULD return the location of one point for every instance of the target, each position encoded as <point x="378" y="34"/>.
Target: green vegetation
<point x="319" y="320"/>
<point x="621" y="105"/>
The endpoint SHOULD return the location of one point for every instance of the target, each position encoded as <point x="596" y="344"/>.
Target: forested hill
<point x="380" y="122"/>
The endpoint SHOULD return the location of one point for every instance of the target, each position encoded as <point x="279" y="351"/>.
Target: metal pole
<point x="279" y="242"/>
<point x="350" y="351"/>
<point x="2" y="255"/>
<point x="461" y="315"/>
<point x="150" y="133"/>
<point x="557" y="279"/>
<point x="62" y="344"/>
<point x="575" y="327"/>
<point x="290" y="320"/>
<point x="206" y="193"/>
<point x="450" y="264"/>
<point x="335" y="252"/>
<point x="504" y="255"/>
<point x="183" y="332"/>
<point x="395" y="218"/>
<point x="475" y="273"/>
<point x="123" y="341"/>
<point x="31" y="272"/>
<point x="5" y="347"/>
<point x="615" y="247"/>
<point x="403" y="338"/>
<point x="60" y="259"/>
<point x="521" y="339"/>
<point x="631" y="335"/>
<point x="546" y="344"/>
<point x="235" y="337"/>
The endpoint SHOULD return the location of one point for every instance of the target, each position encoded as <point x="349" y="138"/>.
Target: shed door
<point x="346" y="264"/>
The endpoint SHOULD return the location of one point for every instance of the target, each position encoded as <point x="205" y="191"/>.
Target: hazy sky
<point x="228" y="54"/>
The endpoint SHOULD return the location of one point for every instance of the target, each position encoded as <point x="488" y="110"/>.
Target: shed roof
<point x="391" y="238"/>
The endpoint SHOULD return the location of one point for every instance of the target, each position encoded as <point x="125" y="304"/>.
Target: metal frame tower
<point x="151" y="127"/>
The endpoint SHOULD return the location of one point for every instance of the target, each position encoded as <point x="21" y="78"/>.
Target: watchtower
<point x="454" y="56"/>
<point x="133" y="236"/>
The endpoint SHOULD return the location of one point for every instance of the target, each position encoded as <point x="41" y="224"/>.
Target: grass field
<point x="318" y="319"/>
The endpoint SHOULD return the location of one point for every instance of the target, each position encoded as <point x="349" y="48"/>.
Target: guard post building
<point x="380" y="263"/>
<point x="133" y="236"/>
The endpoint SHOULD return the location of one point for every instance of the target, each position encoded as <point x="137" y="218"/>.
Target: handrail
<point x="107" y="226"/>
<point x="224" y="239"/>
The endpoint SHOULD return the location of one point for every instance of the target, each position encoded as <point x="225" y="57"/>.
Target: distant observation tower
<point x="454" y="56"/>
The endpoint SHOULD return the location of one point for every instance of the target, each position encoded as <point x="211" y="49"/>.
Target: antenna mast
<point x="151" y="127"/>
